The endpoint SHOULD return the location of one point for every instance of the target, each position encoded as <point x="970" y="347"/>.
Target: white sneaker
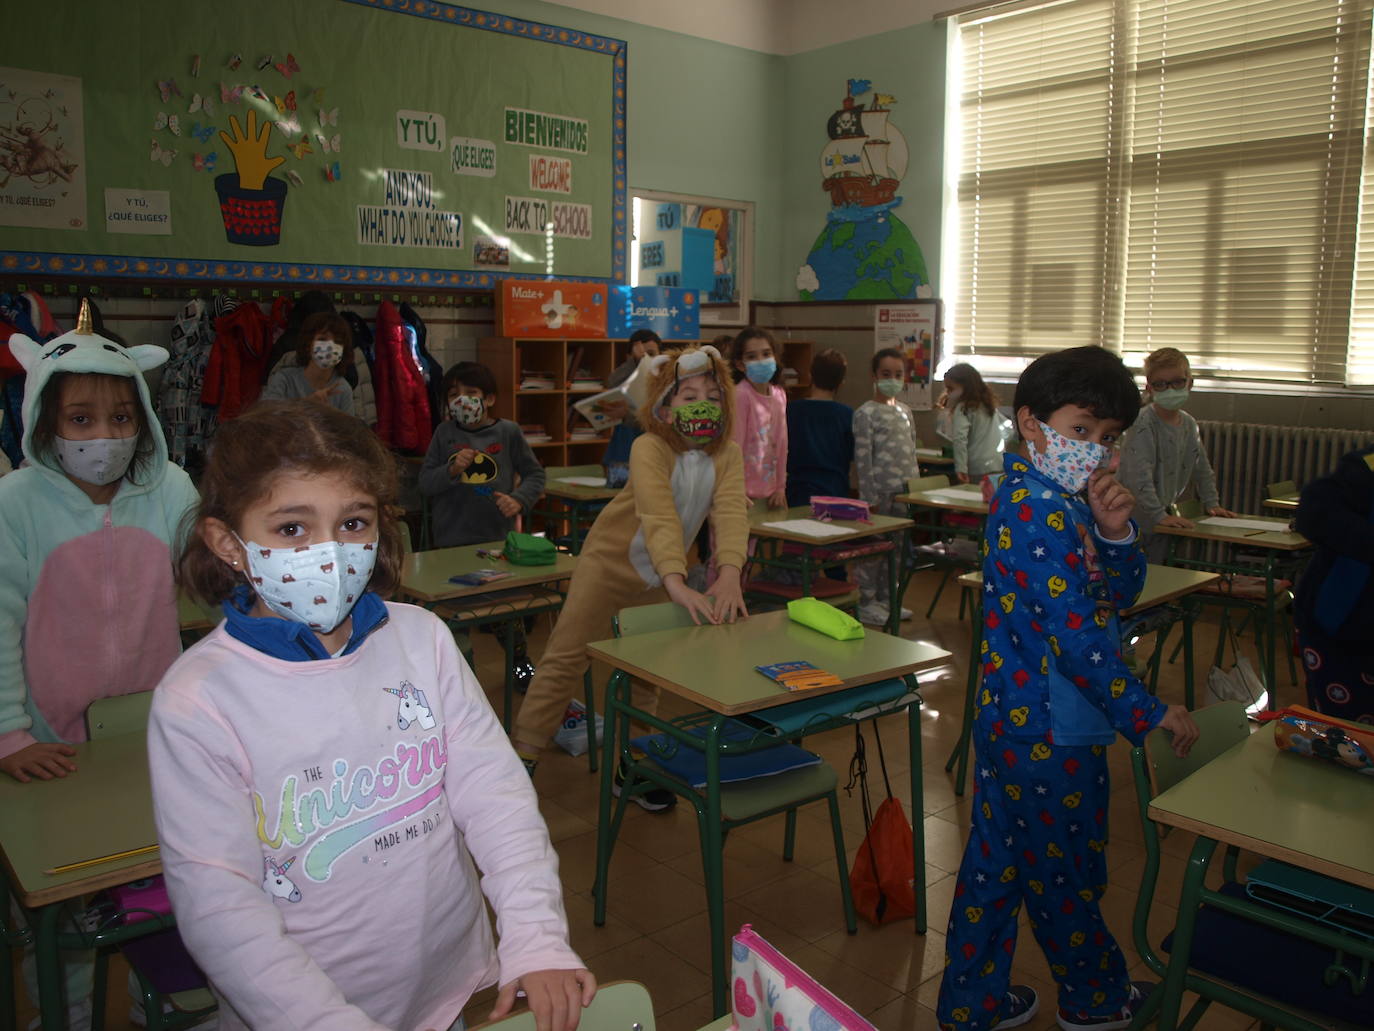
<point x="906" y="613"/>
<point x="873" y="615"/>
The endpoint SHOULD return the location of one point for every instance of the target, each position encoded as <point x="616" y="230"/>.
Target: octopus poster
<point x="42" y="150"/>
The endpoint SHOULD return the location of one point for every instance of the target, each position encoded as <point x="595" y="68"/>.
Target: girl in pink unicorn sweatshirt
<point x="328" y="776"/>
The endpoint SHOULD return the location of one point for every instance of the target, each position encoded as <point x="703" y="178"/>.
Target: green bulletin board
<point x="379" y="142"/>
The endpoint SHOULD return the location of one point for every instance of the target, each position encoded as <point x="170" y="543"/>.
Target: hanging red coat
<point x="234" y="371"/>
<point x="402" y="402"/>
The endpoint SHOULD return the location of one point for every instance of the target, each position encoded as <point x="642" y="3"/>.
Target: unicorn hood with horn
<point x="87" y="605"/>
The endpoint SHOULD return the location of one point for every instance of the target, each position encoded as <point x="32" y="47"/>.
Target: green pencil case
<point x="523" y="549"/>
<point x="825" y="618"/>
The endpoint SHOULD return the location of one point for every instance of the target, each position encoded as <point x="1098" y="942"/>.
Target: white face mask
<point x="326" y="353"/>
<point x="890" y="387"/>
<point x="98" y="461"/>
<point x="316" y="585"/>
<point x="467" y="411"/>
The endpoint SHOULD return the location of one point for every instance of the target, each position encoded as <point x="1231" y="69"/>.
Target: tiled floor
<point x="656" y="928"/>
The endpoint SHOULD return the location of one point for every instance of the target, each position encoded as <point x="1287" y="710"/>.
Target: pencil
<point x="113" y="857"/>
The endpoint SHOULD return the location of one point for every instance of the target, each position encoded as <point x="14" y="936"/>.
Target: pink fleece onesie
<point x="761" y="432"/>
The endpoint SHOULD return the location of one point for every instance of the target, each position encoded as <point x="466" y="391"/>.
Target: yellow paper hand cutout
<point x="250" y="151"/>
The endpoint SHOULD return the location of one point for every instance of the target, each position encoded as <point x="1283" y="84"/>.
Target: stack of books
<point x="533" y="380"/>
<point x="582" y="432"/>
<point x="535" y="433"/>
<point x="790" y="378"/>
<point x="584" y="380"/>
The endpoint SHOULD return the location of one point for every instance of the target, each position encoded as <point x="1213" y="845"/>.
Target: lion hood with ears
<point x="655" y="378"/>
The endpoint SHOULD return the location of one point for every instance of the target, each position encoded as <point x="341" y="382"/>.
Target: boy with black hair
<point x="820" y="434"/>
<point x="1062" y="557"/>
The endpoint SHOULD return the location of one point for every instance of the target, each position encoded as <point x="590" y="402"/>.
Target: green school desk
<point x="102" y="810"/>
<point x="927" y="509"/>
<point x="933" y="458"/>
<point x="1163" y="584"/>
<point x="1283" y="502"/>
<point x="577" y="503"/>
<point x="1288" y="807"/>
<point x="813" y="549"/>
<point x="528" y="591"/>
<point x="713" y="667"/>
<point x="1282" y="555"/>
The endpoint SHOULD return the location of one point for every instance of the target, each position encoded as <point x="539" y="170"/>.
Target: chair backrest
<point x="124" y="714"/>
<point x="645" y="619"/>
<point x="1190" y="508"/>
<point x="1221" y="726"/>
<point x="927" y="483"/>
<point x="618" y="1006"/>
<point x="1275" y="490"/>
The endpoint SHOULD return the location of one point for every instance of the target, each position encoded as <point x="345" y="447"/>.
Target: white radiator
<point x="1248" y="457"/>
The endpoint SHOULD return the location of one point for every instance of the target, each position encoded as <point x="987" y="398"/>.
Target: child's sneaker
<point x="655" y="800"/>
<point x="1078" y="1021"/>
<point x="1019" y="1007"/>
<point x="873" y="615"/>
<point x="906" y="613"/>
<point x="522" y="671"/>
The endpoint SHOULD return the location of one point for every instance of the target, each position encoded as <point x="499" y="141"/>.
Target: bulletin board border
<point x="200" y="270"/>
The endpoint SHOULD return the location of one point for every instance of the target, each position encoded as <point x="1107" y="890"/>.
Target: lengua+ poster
<point x="911" y="329"/>
<point x="42" y="150"/>
<point x="865" y="252"/>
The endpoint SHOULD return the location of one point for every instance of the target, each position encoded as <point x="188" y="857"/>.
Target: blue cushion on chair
<point x="688" y="764"/>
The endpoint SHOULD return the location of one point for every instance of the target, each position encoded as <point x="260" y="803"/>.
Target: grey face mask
<point x="97" y="462"/>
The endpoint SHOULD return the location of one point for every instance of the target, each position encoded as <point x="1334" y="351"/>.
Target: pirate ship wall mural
<point x="864" y="252"/>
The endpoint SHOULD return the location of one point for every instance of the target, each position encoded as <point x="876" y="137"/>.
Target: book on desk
<point x="799" y="675"/>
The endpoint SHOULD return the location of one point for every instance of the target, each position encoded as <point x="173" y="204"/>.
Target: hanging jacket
<point x="88" y="609"/>
<point x="234" y="373"/>
<point x="432" y="370"/>
<point x="186" y="421"/>
<point x="403" y="420"/>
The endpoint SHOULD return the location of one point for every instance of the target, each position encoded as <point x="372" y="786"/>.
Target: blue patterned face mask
<point x="1069" y="463"/>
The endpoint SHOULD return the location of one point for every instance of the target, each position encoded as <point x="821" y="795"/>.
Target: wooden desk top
<point x="104" y="808"/>
<point x="579" y="492"/>
<point x="1288" y="502"/>
<point x="1162" y="584"/>
<point x="760" y="513"/>
<point x="931" y="457"/>
<point x="425" y="576"/>
<point x="1277" y="539"/>
<point x="713" y="666"/>
<point x="1290" y="807"/>
<point x="973" y="503"/>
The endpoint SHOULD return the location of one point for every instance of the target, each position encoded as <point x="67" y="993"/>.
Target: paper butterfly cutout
<point x="255" y="91"/>
<point x="158" y="154"/>
<point x="230" y="96"/>
<point x="205" y="104"/>
<point x="294" y="178"/>
<point x="204" y="163"/>
<point x="289" y="67"/>
<point x="195" y="67"/>
<point x="167" y="89"/>
<point x="300" y="149"/>
<point x="329" y="117"/>
<point x="286" y="104"/>
<point x="317" y="96"/>
<point x="234" y="61"/>
<point x="165" y="121"/>
<point x="202" y="134"/>
<point x="266" y="62"/>
<point x="330" y="145"/>
<point x="333" y="172"/>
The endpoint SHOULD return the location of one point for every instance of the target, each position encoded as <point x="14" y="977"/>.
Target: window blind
<point x="1150" y="173"/>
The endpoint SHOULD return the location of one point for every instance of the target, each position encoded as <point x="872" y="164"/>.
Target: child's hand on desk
<point x="778" y="499"/>
<point x="1176" y="521"/>
<point x="460" y="460"/>
<point x="555" y="997"/>
<point x="961" y="477"/>
<point x="729" y="596"/>
<point x="1224" y="513"/>
<point x="1178" y="721"/>
<point x="1110" y="502"/>
<point x="506" y="505"/>
<point x="698" y="605"/>
<point x="42" y="760"/>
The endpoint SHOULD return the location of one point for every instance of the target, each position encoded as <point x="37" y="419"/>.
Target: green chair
<point x="109" y="717"/>
<point x="740" y="803"/>
<point x="618" y="1006"/>
<point x="1156" y="769"/>
<point x="1275" y="490"/>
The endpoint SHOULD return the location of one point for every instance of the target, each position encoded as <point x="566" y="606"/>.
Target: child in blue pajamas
<point x="1061" y="558"/>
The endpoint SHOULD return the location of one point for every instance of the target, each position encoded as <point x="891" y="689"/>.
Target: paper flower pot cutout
<point x="251" y="217"/>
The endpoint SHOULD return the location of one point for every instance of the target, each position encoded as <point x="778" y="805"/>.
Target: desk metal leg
<point x="1271" y="629"/>
<point x="894" y="612"/>
<point x="508" y="643"/>
<point x="965" y="743"/>
<point x="1189" y="616"/>
<point x="574" y="540"/>
<point x="1189" y="899"/>
<point x="49" y="961"/>
<point x="712" y="847"/>
<point x="918" y="809"/>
